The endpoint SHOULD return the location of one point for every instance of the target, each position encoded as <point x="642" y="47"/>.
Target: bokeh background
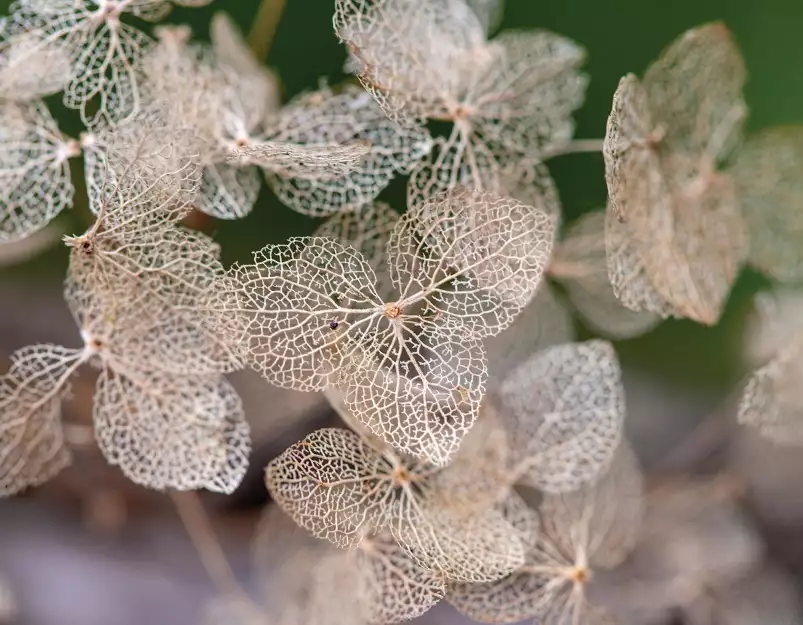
<point x="90" y="548"/>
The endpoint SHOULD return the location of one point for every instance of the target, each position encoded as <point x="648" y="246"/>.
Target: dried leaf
<point x="768" y="174"/>
<point x="312" y="317"/>
<point x="34" y="173"/>
<point x="579" y="264"/>
<point x="338" y="487"/>
<point x="594" y="527"/>
<point x="679" y="240"/>
<point x="564" y="410"/>
<point x="32" y="446"/>
<point x="322" y="120"/>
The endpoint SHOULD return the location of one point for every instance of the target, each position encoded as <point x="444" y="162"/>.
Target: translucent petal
<point x="292" y="160"/>
<point x="181" y="432"/>
<point x="228" y="191"/>
<point x="770" y="187"/>
<point x="579" y="264"/>
<point x="695" y="91"/>
<point x="367" y="230"/>
<point x="489" y="12"/>
<point x="32" y="446"/>
<point x="34" y="173"/>
<point x="477" y="256"/>
<point x="348" y="116"/>
<point x="419" y="393"/>
<point x="31" y="68"/>
<point x="564" y="409"/>
<point x="773" y="400"/>
<point x="412" y="57"/>
<point x="290" y="300"/>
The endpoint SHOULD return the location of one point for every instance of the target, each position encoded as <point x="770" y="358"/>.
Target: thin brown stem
<point x="267" y="20"/>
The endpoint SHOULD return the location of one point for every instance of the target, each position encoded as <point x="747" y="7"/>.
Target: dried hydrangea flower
<point x="676" y="238"/>
<point x="345" y="116"/>
<point x="374" y="584"/>
<point x="322" y="153"/>
<point x="581" y="532"/>
<point x="768" y="176"/>
<point x="412" y="367"/>
<point x="489" y="13"/>
<point x="104" y="52"/>
<point x="342" y="488"/>
<point x="34" y="173"/>
<point x="509" y="100"/>
<point x="164" y="427"/>
<point x="579" y="265"/>
<point x="563" y="412"/>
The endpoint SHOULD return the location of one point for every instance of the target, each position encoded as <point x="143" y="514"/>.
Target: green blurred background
<point x="620" y="36"/>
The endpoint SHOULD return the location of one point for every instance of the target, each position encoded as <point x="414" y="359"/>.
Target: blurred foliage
<point x="620" y="36"/>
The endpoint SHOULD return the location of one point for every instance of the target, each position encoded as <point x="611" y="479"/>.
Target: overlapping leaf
<point x="341" y="488"/>
<point x="509" y="100"/>
<point x="579" y="264"/>
<point x="32" y="446"/>
<point x="594" y="527"/>
<point x="412" y="367"/>
<point x="103" y="51"/>
<point x="768" y="173"/>
<point x="563" y="410"/>
<point x="675" y="234"/>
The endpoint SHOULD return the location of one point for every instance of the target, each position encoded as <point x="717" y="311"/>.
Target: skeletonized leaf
<point x="32" y="446"/>
<point x="308" y="161"/>
<point x="564" y="409"/>
<point x="340" y="488"/>
<point x="594" y="527"/>
<point x="489" y="12"/>
<point x="30" y="68"/>
<point x="679" y="240"/>
<point x="182" y="432"/>
<point x="350" y="118"/>
<point x="579" y="264"/>
<point x="34" y="173"/>
<point x="475" y="256"/>
<point x="769" y="177"/>
<point x="367" y="230"/>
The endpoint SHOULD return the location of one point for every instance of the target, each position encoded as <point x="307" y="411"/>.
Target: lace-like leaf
<point x="182" y="432"/>
<point x="340" y="488"/>
<point x="594" y="527"/>
<point x="579" y="264"/>
<point x="564" y="409"/>
<point x="350" y="118"/>
<point x="476" y="256"/>
<point x="489" y="12"/>
<point x="34" y="173"/>
<point x="229" y="192"/>
<point x="32" y="446"/>
<point x="515" y="111"/>
<point x="308" y="161"/>
<point x="410" y="55"/>
<point x="30" y="68"/>
<point x="768" y="177"/>
<point x="367" y="230"/>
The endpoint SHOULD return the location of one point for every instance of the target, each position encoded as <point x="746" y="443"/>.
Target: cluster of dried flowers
<point x="484" y="460"/>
